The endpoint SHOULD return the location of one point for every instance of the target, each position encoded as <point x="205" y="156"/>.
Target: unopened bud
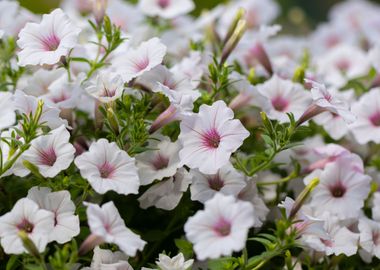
<point x="234" y="40"/>
<point x="239" y="15"/>
<point x="112" y="120"/>
<point x="90" y="243"/>
<point x="164" y="118"/>
<point x="32" y="168"/>
<point x="302" y="197"/>
<point x="28" y="244"/>
<point x="260" y="54"/>
<point x="99" y="10"/>
<point x="241" y="100"/>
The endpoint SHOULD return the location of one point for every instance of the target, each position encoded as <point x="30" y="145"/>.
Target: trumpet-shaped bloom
<point x="367" y="110"/>
<point x="51" y="153"/>
<point x="105" y="222"/>
<point x="107" y="167"/>
<point x="48" y="41"/>
<point x="227" y="181"/>
<point x="66" y="223"/>
<point x="210" y="137"/>
<point x="28" y="217"/>
<point x="106" y="87"/>
<point x="167" y="193"/>
<point x="221" y="228"/>
<point x="159" y="163"/>
<point x="105" y="259"/>
<point x="136" y="62"/>
<point x="284" y="96"/>
<point x="369" y="238"/>
<point x="176" y="263"/>
<point x="341" y="191"/>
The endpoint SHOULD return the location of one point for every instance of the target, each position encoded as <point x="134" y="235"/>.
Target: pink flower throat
<point x="211" y="139"/>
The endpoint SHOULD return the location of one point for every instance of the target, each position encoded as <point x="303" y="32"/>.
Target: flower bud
<point x="99" y="10"/>
<point x="311" y="111"/>
<point x="163" y="119"/>
<point x="260" y="54"/>
<point x="112" y="120"/>
<point x="90" y="243"/>
<point x="234" y="40"/>
<point x="241" y="100"/>
<point x="239" y="15"/>
<point x="302" y="197"/>
<point x="29" y="245"/>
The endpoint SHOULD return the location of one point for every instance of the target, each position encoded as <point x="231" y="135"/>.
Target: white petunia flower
<point x="7" y="110"/>
<point x="51" y="153"/>
<point x="227" y="181"/>
<point x="167" y="193"/>
<point x="162" y="161"/>
<point x="106" y="223"/>
<point x="221" y="228"/>
<point x="342" y="63"/>
<point x="136" y="62"/>
<point x="66" y="223"/>
<point x="342" y="240"/>
<point x="176" y="263"/>
<point x="28" y="217"/>
<point x="105" y="259"/>
<point x="26" y="104"/>
<point x="107" y="167"/>
<point x="376" y="206"/>
<point x="369" y="238"/>
<point x="48" y="41"/>
<point x="167" y="9"/>
<point x="210" y="137"/>
<point x="326" y="100"/>
<point x="106" y="87"/>
<point x="367" y="110"/>
<point x="38" y="84"/>
<point x="341" y="191"/>
<point x="284" y="97"/>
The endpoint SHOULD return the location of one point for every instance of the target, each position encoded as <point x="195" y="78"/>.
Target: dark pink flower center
<point x="337" y="190"/>
<point x="327" y="242"/>
<point x="222" y="227"/>
<point x="160" y="162"/>
<point x="331" y="41"/>
<point x="26" y="226"/>
<point x="376" y="238"/>
<point x="61" y="97"/>
<point x="211" y="138"/>
<point x="215" y="182"/>
<point x="142" y="64"/>
<point x="48" y="156"/>
<point x="375" y="119"/>
<point x="163" y="3"/>
<point x="106" y="170"/>
<point x="279" y="103"/>
<point x="343" y="65"/>
<point x="51" y="42"/>
<point x="108" y="92"/>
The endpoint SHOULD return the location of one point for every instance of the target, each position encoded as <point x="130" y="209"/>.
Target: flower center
<point x="108" y="92"/>
<point x="211" y="138"/>
<point x="376" y="238"/>
<point x="279" y="103"/>
<point x="47" y="157"/>
<point x="343" y="65"/>
<point x="51" y="42"/>
<point x="142" y="64"/>
<point x="160" y="162"/>
<point x="106" y="170"/>
<point x="222" y="227"/>
<point x="61" y="97"/>
<point x="163" y="3"/>
<point x="375" y="119"/>
<point x="25" y="226"/>
<point x="338" y="190"/>
<point x="215" y="182"/>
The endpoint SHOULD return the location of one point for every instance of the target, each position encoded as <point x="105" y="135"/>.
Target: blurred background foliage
<point x="299" y="14"/>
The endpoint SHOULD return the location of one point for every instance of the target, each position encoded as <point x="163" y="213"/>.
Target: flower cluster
<point x="141" y="136"/>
